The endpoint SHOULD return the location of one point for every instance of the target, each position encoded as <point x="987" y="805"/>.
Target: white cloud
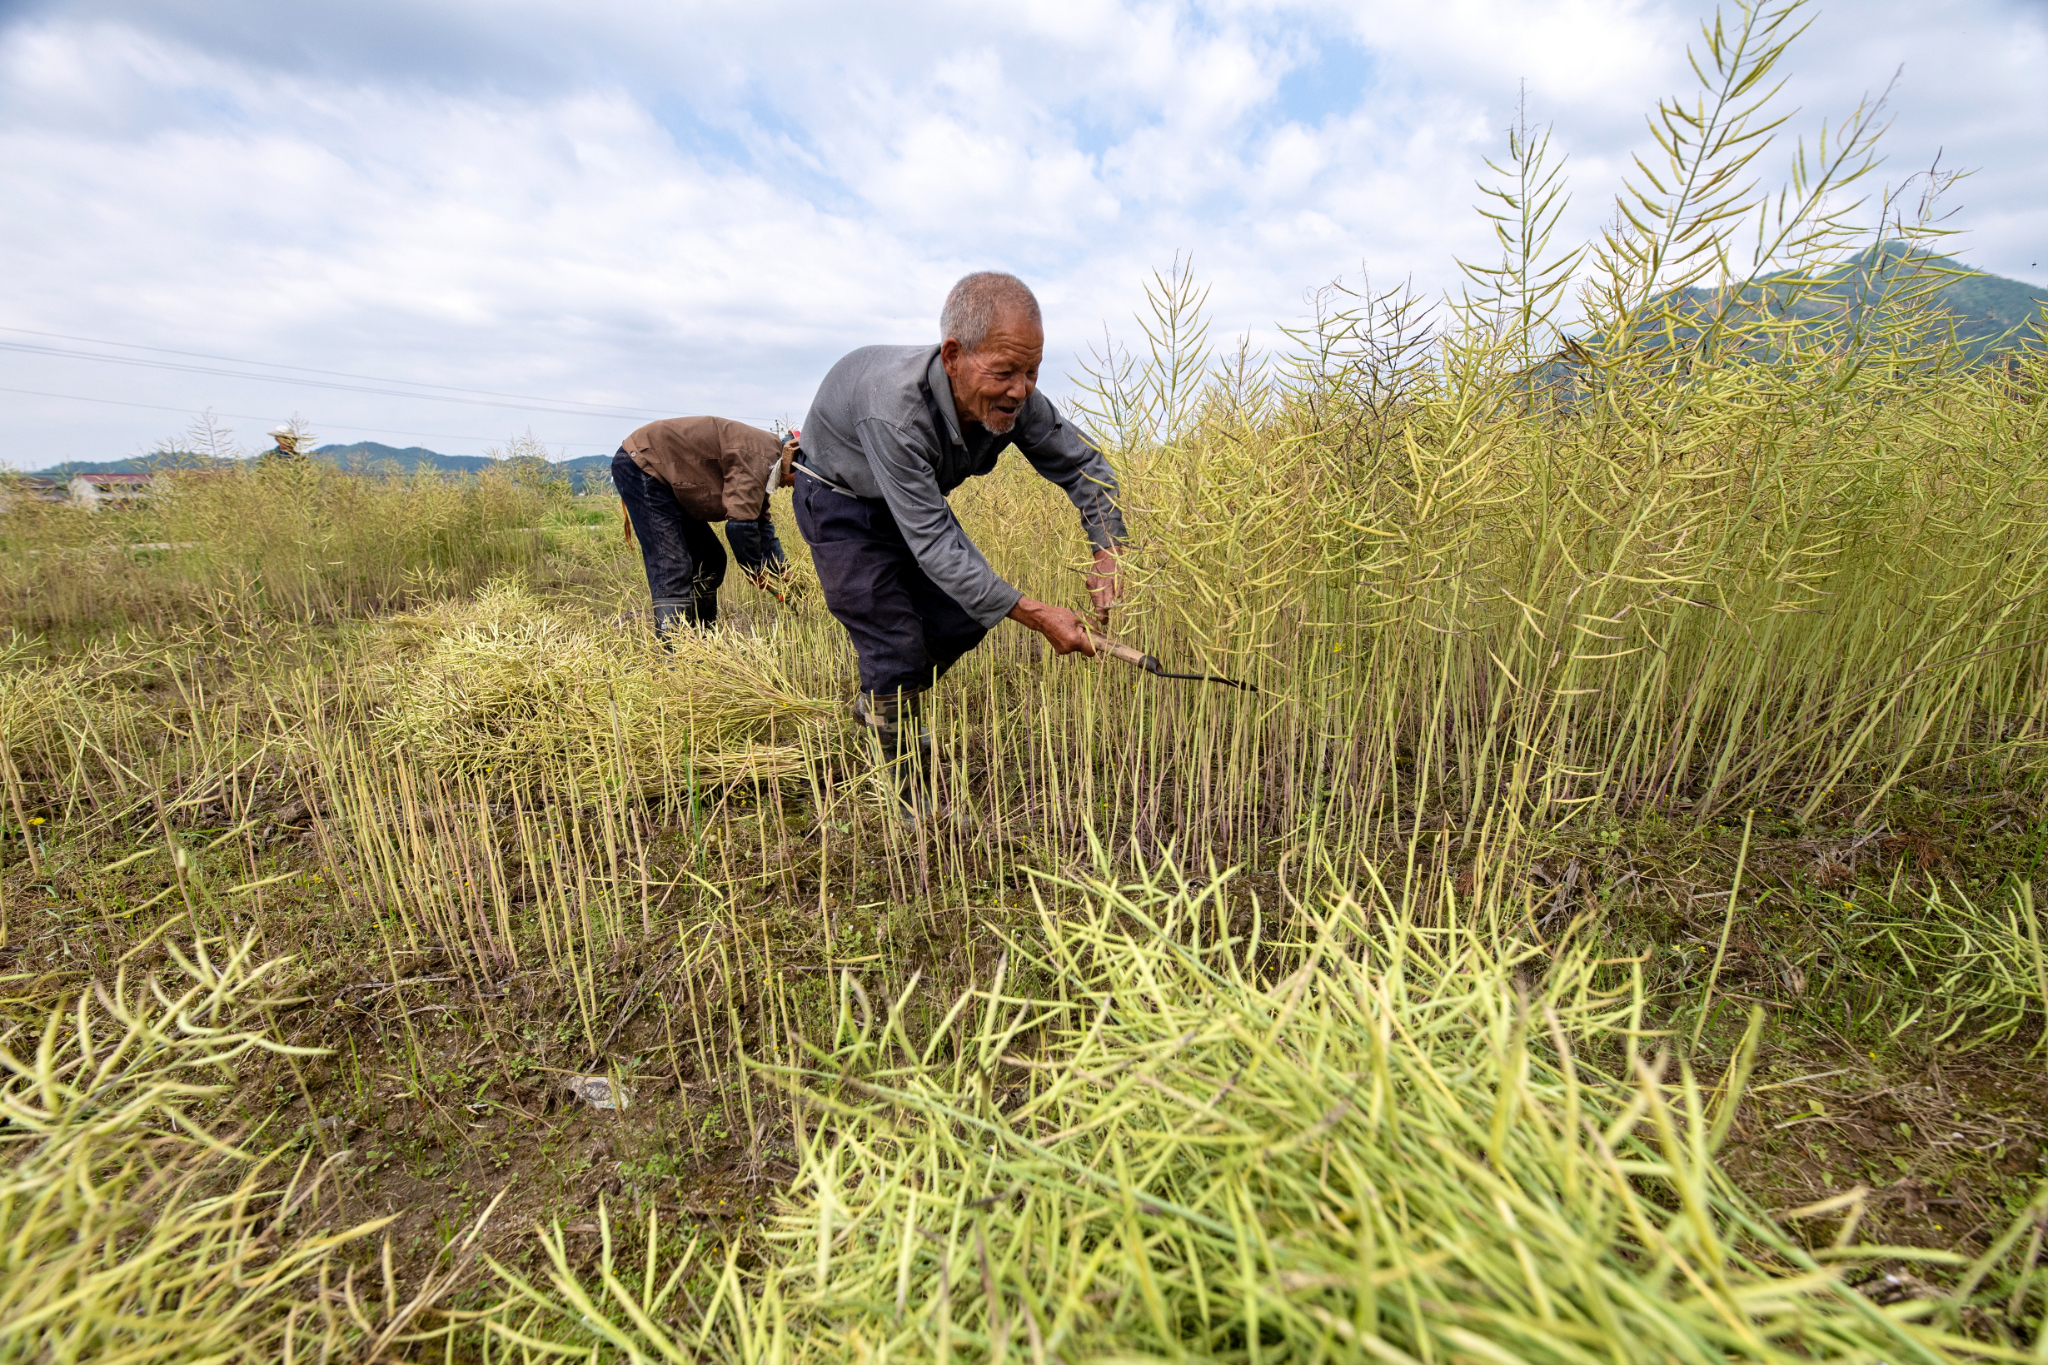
<point x="696" y="208"/>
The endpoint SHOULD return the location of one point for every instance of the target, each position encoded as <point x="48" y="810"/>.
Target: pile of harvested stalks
<point x="506" y="686"/>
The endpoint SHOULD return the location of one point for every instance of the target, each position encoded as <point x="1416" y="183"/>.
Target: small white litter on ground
<point x="599" y="1092"/>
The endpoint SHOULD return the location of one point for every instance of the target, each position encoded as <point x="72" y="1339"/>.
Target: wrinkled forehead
<point x="1013" y="337"/>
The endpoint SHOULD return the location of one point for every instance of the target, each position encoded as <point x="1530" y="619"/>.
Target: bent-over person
<point x="677" y="476"/>
<point x="892" y="431"/>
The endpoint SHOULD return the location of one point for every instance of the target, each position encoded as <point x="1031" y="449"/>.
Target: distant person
<point x="895" y="429"/>
<point x="678" y="475"/>
<point x="286" y="445"/>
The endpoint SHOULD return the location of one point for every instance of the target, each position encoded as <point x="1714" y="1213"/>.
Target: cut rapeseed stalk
<point x="127" y="1231"/>
<point x="1163" y="1136"/>
<point x="507" y="687"/>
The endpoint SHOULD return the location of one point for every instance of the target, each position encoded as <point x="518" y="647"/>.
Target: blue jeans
<point x="684" y="561"/>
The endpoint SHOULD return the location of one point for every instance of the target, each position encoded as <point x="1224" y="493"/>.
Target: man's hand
<point x="1105" y="583"/>
<point x="1064" y="630"/>
<point x="783" y="586"/>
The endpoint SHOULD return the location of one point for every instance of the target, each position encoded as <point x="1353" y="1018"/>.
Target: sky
<point x="449" y="222"/>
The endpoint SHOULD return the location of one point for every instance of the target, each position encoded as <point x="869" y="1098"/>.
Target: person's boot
<point x="892" y="718"/>
<point x="670" y="612"/>
<point x="698" y="612"/>
<point x="904" y="745"/>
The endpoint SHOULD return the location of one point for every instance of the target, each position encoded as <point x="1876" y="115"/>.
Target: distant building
<point x="94" y="491"/>
<point x="29" y="488"/>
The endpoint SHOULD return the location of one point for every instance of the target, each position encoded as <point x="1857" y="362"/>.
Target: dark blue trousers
<point x="905" y="629"/>
<point x="684" y="561"/>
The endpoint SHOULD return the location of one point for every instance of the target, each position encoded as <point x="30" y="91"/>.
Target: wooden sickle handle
<point x="1104" y="645"/>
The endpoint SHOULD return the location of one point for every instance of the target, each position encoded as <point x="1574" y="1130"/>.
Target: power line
<point x="258" y="417"/>
<point x="60" y="353"/>
<point x="612" y="410"/>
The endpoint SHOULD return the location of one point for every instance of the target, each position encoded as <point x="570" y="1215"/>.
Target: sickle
<point x="1104" y="645"/>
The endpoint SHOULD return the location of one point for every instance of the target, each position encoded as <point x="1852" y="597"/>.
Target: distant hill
<point x="70" y="467"/>
<point x="1991" y="304"/>
<point x="1991" y="313"/>
<point x="367" y="455"/>
<point x="586" y="473"/>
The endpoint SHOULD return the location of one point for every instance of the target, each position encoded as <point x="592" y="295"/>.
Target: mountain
<point x="367" y="456"/>
<point x="1991" y="313"/>
<point x="586" y="473"/>
<point x="1991" y="304"/>
<point x="70" y="467"/>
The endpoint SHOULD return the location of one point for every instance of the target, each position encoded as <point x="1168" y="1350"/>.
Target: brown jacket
<point x="719" y="469"/>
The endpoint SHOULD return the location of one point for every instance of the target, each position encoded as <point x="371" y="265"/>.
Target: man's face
<point x="991" y="384"/>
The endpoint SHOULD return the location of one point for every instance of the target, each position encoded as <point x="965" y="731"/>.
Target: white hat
<point x="279" y="431"/>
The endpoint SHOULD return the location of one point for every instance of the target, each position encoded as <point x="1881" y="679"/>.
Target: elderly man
<point x="678" y="475"/>
<point x="892" y="431"/>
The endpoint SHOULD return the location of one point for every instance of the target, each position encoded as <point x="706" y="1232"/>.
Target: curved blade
<point x="1206" y="677"/>
<point x="1149" y="663"/>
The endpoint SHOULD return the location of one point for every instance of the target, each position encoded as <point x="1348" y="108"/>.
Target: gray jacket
<point x="883" y="426"/>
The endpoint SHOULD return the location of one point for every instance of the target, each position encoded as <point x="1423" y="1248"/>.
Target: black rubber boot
<point x="705" y="610"/>
<point x="670" y="612"/>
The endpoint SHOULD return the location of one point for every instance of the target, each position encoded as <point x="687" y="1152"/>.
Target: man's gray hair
<point x="975" y="304"/>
